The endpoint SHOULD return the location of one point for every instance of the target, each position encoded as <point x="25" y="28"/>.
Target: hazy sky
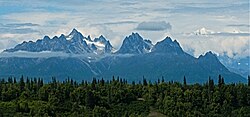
<point x="223" y="25"/>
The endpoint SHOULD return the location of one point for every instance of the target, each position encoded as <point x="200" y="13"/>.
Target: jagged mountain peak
<point x="55" y="37"/>
<point x="135" y="44"/>
<point x="208" y="55"/>
<point x="148" y="41"/>
<point x="134" y="36"/>
<point x="167" y="46"/>
<point x="74" y="31"/>
<point x="108" y="47"/>
<point x="101" y="39"/>
<point x="75" y="36"/>
<point x="62" y="35"/>
<point x="89" y="38"/>
<point x="209" y="58"/>
<point x="168" y="40"/>
<point x="46" y="37"/>
<point x="101" y="36"/>
<point x="211" y="62"/>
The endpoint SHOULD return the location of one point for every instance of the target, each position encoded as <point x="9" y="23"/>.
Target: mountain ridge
<point x="74" y="42"/>
<point x="136" y="57"/>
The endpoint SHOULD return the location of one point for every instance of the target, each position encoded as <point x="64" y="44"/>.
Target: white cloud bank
<point x="234" y="44"/>
<point x="50" y="54"/>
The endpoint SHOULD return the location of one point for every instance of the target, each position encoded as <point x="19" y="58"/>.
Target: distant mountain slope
<point x="135" y="59"/>
<point x="237" y="65"/>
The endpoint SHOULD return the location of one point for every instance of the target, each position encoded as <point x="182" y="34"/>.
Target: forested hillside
<point x="118" y="98"/>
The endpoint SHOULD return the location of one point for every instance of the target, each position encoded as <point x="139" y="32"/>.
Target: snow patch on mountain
<point x="203" y="31"/>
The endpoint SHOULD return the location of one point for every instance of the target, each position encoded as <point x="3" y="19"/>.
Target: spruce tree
<point x="162" y="79"/>
<point x="22" y="84"/>
<point x="184" y="81"/>
<point x="145" y="83"/>
<point x="220" y="81"/>
<point x="248" y="80"/>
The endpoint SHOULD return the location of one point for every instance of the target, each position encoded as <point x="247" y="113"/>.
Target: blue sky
<point x="200" y="26"/>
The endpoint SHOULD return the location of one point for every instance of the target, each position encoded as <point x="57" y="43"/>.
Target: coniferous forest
<point x="118" y="98"/>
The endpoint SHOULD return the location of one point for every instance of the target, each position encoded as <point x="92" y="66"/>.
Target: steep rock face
<point x="134" y="44"/>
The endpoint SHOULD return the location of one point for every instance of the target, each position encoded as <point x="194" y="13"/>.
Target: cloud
<point x="128" y="3"/>
<point x="115" y="23"/>
<point x="17" y="30"/>
<point x="49" y="54"/>
<point x="206" y="32"/>
<point x="9" y="40"/>
<point x="231" y="34"/>
<point x="154" y="26"/>
<point x="6" y="43"/>
<point x="19" y="25"/>
<point x="239" y="25"/>
<point x="214" y="8"/>
<point x="40" y="18"/>
<point x="24" y="54"/>
<point x="232" y="43"/>
<point x="231" y="46"/>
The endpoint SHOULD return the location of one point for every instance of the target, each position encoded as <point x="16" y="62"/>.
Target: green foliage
<point x="117" y="98"/>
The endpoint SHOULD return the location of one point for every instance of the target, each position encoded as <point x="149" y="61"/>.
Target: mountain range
<point x="137" y="58"/>
<point x="75" y="43"/>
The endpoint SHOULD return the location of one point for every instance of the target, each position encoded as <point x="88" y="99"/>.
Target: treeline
<point x="118" y="98"/>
